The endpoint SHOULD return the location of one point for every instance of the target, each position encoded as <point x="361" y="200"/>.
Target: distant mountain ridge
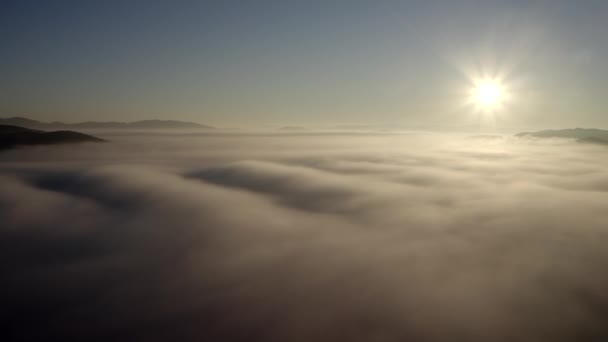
<point x="585" y="135"/>
<point x="142" y="124"/>
<point x="13" y="136"/>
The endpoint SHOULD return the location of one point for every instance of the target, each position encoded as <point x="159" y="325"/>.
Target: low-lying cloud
<point x="412" y="237"/>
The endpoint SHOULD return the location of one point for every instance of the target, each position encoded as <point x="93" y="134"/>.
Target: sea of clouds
<point x="305" y="237"/>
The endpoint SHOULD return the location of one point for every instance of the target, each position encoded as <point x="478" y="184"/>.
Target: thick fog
<point x="305" y="237"/>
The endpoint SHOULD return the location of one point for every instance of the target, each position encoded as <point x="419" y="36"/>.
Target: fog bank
<point x="380" y="237"/>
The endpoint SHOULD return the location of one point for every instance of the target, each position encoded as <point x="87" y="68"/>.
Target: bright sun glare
<point x="487" y="95"/>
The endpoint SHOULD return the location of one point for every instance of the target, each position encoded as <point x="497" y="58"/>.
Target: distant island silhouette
<point x="14" y="136"/>
<point x="583" y="135"/>
<point x="143" y="124"/>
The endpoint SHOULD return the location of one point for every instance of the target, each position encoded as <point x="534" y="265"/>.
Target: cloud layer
<point x="418" y="237"/>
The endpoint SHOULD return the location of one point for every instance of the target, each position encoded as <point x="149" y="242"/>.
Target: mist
<point x="410" y="236"/>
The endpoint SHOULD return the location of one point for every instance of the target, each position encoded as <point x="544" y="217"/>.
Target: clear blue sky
<point x="301" y="62"/>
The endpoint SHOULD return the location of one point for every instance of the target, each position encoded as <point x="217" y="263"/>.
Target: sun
<point x="487" y="95"/>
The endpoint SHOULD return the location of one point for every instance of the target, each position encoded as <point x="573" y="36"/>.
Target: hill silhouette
<point x="13" y="136"/>
<point x="143" y="124"/>
<point x="583" y="135"/>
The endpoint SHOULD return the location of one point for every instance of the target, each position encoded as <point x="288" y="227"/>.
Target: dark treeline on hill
<point x="144" y="124"/>
<point x="13" y="136"/>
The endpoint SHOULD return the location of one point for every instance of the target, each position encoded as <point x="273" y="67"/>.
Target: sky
<point x="303" y="62"/>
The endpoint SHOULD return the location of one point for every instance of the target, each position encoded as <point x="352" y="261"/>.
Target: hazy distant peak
<point x="142" y="124"/>
<point x="292" y="128"/>
<point x="19" y="121"/>
<point x="167" y="124"/>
